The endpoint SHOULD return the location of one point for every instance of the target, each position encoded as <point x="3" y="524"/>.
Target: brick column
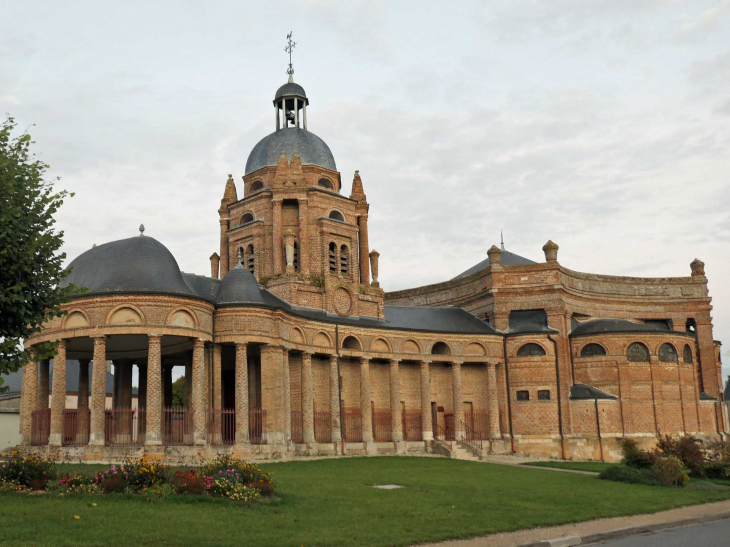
<point x="304" y="236"/>
<point x="396" y="420"/>
<point x="199" y="391"/>
<point x="307" y="398"/>
<point x="98" y="391"/>
<point x="278" y="238"/>
<point x="58" y="401"/>
<point x="188" y="389"/>
<point x="153" y="435"/>
<point x="242" y="434"/>
<point x="28" y="400"/>
<point x="493" y="401"/>
<point x="426" y="415"/>
<point x="272" y="395"/>
<point x="362" y="222"/>
<point x="365" y="409"/>
<point x="224" y="247"/>
<point x="335" y="400"/>
<point x="217" y="402"/>
<point x="83" y="398"/>
<point x="43" y="385"/>
<point x="458" y="400"/>
<point x="286" y="388"/>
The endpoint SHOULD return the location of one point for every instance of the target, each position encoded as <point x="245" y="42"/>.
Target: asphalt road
<point x="711" y="534"/>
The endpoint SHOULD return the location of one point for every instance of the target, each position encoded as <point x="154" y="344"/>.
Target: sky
<point x="603" y="125"/>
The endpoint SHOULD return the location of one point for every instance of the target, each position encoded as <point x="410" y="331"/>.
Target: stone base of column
<point x="96" y="439"/>
<point x="152" y="439"/>
<point x="242" y="450"/>
<point x="199" y="438"/>
<point x="495" y="435"/>
<point x="400" y="447"/>
<point x="427" y="435"/>
<point x="458" y="435"/>
<point x="336" y="437"/>
<point x="24" y="440"/>
<point x="371" y="449"/>
<point x="54" y="439"/>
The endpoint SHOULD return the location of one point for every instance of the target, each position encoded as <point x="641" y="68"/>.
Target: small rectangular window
<point x="523" y="395"/>
<point x="543" y="395"/>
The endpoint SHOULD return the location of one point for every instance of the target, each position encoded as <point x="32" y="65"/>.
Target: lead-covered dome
<point x="137" y="264"/>
<point x="311" y="149"/>
<point x="290" y="90"/>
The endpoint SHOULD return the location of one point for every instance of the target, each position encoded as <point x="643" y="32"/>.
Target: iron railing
<point x="442" y="439"/>
<point x="221" y="426"/>
<point x="412" y="420"/>
<point x="322" y="426"/>
<point x="257" y="426"/>
<point x="76" y="426"/>
<point x="297" y="427"/>
<point x="124" y="427"/>
<point x="469" y="440"/>
<point x="382" y="431"/>
<point x="476" y="426"/>
<point x="177" y="426"/>
<point x="40" y="426"/>
<point x="352" y="422"/>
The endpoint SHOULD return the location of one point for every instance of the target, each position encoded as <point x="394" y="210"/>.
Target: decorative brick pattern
<point x="242" y="434"/>
<point x="307" y="398"/>
<point x="198" y="390"/>
<point x="365" y="408"/>
<point x="28" y="400"/>
<point x="396" y="425"/>
<point x="98" y="392"/>
<point x="58" y="401"/>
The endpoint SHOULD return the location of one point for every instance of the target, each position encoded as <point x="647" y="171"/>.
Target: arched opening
<point x="637" y="352"/>
<point x="531" y="350"/>
<point x="592" y="350"/>
<point x="325" y="183"/>
<point x="257" y="185"/>
<point x="668" y="353"/>
<point x="333" y="258"/>
<point x="344" y="260"/>
<point x="687" y="354"/>
<point x="242" y="256"/>
<point x="440" y="348"/>
<point x="250" y="259"/>
<point x="296" y="256"/>
<point x="245" y="219"/>
<point x="350" y="342"/>
<point x="336" y="215"/>
<point x="691" y="326"/>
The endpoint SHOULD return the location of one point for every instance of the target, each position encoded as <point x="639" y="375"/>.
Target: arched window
<point x="325" y="183"/>
<point x="687" y="354"/>
<point x="333" y="258"/>
<point x="691" y="326"/>
<point x="241" y="255"/>
<point x="637" y="352"/>
<point x="531" y="350"/>
<point x="256" y="186"/>
<point x="336" y="215"/>
<point x="440" y="348"/>
<point x="351" y="343"/>
<point x="344" y="260"/>
<point x="296" y="257"/>
<point x="250" y="259"/>
<point x="591" y="350"/>
<point x="668" y="353"/>
<point x="245" y="219"/>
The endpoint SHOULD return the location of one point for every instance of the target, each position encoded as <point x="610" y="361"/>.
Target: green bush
<point x="26" y="468"/>
<point x="717" y="470"/>
<point x="671" y="471"/>
<point x="687" y="449"/>
<point x="237" y="471"/>
<point x="634" y="456"/>
<point x="631" y="475"/>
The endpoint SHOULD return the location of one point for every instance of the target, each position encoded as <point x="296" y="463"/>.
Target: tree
<point x="178" y="392"/>
<point x="31" y="266"/>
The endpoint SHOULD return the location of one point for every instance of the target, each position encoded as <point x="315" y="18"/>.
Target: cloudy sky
<point x="603" y="125"/>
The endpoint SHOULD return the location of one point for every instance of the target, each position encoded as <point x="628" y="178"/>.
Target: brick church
<point x="291" y="347"/>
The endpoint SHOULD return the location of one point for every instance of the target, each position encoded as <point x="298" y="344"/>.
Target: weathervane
<point x="288" y="49"/>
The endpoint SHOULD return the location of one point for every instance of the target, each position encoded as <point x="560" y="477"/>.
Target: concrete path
<point x="708" y="534"/>
<point x="608" y="526"/>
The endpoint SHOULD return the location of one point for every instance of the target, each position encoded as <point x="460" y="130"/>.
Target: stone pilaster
<point x="458" y="400"/>
<point x="58" y="401"/>
<point x="153" y="434"/>
<point x="493" y="402"/>
<point x="278" y="237"/>
<point x="28" y="400"/>
<point x="43" y="383"/>
<point x="242" y="434"/>
<point x="362" y="222"/>
<point x="304" y="236"/>
<point x="307" y="398"/>
<point x="426" y="415"/>
<point x="199" y="391"/>
<point x="335" y="400"/>
<point x="286" y="403"/>
<point x="98" y="391"/>
<point x="365" y="402"/>
<point x="83" y="398"/>
<point x="223" y="260"/>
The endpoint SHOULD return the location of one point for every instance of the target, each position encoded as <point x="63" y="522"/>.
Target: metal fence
<point x="352" y="422"/>
<point x="124" y="427"/>
<point x="257" y="426"/>
<point x="177" y="426"/>
<point x="297" y="427"/>
<point x="322" y="427"/>
<point x="40" y="427"/>
<point x="221" y="426"/>
<point x="382" y="431"/>
<point x="412" y="425"/>
<point x="476" y="426"/>
<point x="76" y="426"/>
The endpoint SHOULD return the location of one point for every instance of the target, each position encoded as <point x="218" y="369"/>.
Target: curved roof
<point x="311" y="149"/>
<point x="599" y="326"/>
<point x="508" y="259"/>
<point x="290" y="89"/>
<point x="136" y="264"/>
<point x="239" y="286"/>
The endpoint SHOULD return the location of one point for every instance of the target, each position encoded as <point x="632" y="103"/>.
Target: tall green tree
<point x="31" y="266"/>
<point x="178" y="392"/>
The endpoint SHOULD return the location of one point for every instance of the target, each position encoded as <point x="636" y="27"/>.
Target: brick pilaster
<point x="98" y="391"/>
<point x="224" y="247"/>
<point x="304" y="236"/>
<point x="335" y="400"/>
<point x="396" y="420"/>
<point x="28" y="400"/>
<point x="307" y="398"/>
<point x="286" y="388"/>
<point x="426" y="416"/>
<point x="199" y="391"/>
<point x="362" y="222"/>
<point x="493" y="402"/>
<point x="458" y="400"/>
<point x="365" y="409"/>
<point x="58" y="402"/>
<point x="278" y="237"/>
<point x="242" y="434"/>
<point x="154" y="391"/>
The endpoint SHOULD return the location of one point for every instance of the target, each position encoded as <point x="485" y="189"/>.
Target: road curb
<point x="628" y="531"/>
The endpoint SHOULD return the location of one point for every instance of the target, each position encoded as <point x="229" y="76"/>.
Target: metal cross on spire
<point x="288" y="49"/>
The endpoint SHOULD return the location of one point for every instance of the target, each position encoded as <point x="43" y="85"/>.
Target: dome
<point x="239" y="286"/>
<point x="289" y="90"/>
<point x="311" y="149"/>
<point x="137" y="264"/>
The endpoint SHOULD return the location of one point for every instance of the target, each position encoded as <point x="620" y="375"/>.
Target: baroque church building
<point x="291" y="347"/>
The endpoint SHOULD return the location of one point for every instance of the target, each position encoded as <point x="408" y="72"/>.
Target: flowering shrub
<point x="671" y="471"/>
<point x="237" y="471"/>
<point x="135" y="475"/>
<point x="224" y="487"/>
<point x="26" y="468"/>
<point x="191" y="482"/>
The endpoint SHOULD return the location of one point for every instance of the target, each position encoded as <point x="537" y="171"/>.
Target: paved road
<point x="711" y="534"/>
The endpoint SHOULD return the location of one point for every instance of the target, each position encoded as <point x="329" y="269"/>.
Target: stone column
<point x="289" y="238"/>
<point x="199" y="391"/>
<point x="58" y="401"/>
<point x="153" y="435"/>
<point x="307" y="398"/>
<point x="278" y="238"/>
<point x="362" y="222"/>
<point x="396" y="423"/>
<point x="335" y="400"/>
<point x="493" y="401"/>
<point x="28" y="400"/>
<point x="458" y="400"/>
<point x="272" y="395"/>
<point x="43" y="385"/>
<point x="98" y="391"/>
<point x="242" y="434"/>
<point x="83" y="399"/>
<point x="426" y="415"/>
<point x="304" y="233"/>
<point x="188" y="390"/>
<point x="286" y="388"/>
<point x="365" y="401"/>
<point x="374" y="257"/>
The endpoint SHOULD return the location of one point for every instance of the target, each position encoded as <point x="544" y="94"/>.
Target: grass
<point x="595" y="467"/>
<point x="332" y="502"/>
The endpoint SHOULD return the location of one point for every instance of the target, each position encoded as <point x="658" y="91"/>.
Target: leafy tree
<point x="31" y="266"/>
<point x="178" y="392"/>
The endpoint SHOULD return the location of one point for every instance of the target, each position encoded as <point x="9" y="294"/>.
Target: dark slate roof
<point x="14" y="379"/>
<point x="311" y="149"/>
<point x="529" y="321"/>
<point x="439" y="319"/>
<point x="239" y="286"/>
<point x="136" y="264"/>
<point x="584" y="391"/>
<point x="290" y="89"/>
<point x="507" y="259"/>
<point x="706" y="397"/>
<point x="205" y="287"/>
<point x="599" y="326"/>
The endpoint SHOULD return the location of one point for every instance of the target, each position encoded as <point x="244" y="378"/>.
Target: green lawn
<point x="595" y="467"/>
<point x="331" y="502"/>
